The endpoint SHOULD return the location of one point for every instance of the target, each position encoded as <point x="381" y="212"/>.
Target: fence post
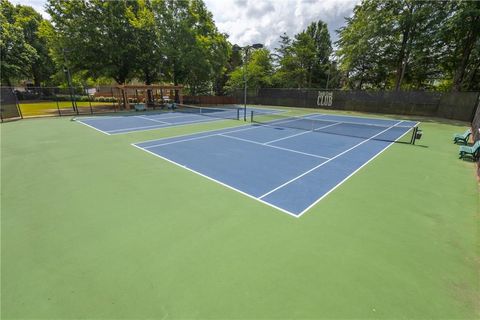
<point x="113" y="101"/>
<point x="18" y="104"/>
<point x="58" y="107"/>
<point x="90" y="103"/>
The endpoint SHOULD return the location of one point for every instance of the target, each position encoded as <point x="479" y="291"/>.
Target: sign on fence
<point x="325" y="98"/>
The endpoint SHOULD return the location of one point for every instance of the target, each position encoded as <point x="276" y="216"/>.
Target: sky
<point x="263" y="21"/>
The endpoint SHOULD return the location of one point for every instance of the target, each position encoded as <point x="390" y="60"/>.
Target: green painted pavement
<point x="92" y="227"/>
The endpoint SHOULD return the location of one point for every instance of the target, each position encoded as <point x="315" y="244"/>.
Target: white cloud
<point x="263" y="21"/>
<point x="38" y="5"/>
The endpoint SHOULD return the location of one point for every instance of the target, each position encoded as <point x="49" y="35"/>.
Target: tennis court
<point x="286" y="162"/>
<point x="183" y="115"/>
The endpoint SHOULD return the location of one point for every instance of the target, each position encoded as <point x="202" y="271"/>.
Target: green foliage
<point x="95" y="36"/>
<point x="158" y="40"/>
<point x="17" y="55"/>
<point x="461" y="35"/>
<point x="258" y="71"/>
<point x="194" y="50"/>
<point x="304" y="61"/>
<point x="405" y="44"/>
<point x="31" y="22"/>
<point x="411" y="45"/>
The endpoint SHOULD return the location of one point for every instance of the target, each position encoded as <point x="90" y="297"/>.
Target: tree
<point x="399" y="44"/>
<point x="30" y="22"/>
<point x="96" y="36"/>
<point x="195" y="52"/>
<point x="149" y="58"/>
<point x="323" y="49"/>
<point x="16" y="54"/>
<point x="361" y="48"/>
<point x="461" y="34"/>
<point x="259" y="71"/>
<point x="303" y="61"/>
<point x="233" y="62"/>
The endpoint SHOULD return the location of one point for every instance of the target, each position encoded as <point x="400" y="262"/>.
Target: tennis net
<point x="224" y="113"/>
<point x="377" y="129"/>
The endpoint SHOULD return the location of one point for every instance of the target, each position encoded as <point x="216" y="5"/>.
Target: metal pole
<point x="328" y="77"/>
<point x="58" y="107"/>
<point x="69" y="79"/>
<point x="90" y="103"/>
<point x="245" y="84"/>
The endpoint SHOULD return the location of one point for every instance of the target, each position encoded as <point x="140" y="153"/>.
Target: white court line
<point x="217" y="181"/>
<point x="129" y="130"/>
<point x="154" y="120"/>
<point x="195" y="138"/>
<point x="191" y="134"/>
<point x="175" y="115"/>
<point x="275" y="147"/>
<point x="320" y="165"/>
<point x="250" y="126"/>
<point x="104" y="132"/>
<point x="350" y="175"/>
<point x="298" y="134"/>
<point x="102" y="117"/>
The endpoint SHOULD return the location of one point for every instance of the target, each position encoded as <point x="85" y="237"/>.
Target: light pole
<point x="69" y="80"/>
<point x="246" y="50"/>
<point x="334" y="63"/>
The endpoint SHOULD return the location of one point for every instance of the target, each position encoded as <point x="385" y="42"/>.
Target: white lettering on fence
<point x="325" y="98"/>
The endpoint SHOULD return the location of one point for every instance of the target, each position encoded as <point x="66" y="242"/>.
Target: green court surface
<point x="92" y="227"/>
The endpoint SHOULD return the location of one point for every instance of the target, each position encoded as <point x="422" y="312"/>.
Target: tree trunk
<point x="407" y="36"/>
<point x="460" y="71"/>
<point x="472" y="76"/>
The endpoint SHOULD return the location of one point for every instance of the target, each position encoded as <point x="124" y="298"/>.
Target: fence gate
<point x="8" y="104"/>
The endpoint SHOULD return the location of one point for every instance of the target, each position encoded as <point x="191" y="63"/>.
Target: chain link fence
<point x="55" y="101"/>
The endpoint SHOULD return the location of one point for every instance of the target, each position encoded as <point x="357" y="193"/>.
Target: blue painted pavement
<point x="288" y="169"/>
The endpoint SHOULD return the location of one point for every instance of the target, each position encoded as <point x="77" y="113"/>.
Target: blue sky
<point x="263" y="21"/>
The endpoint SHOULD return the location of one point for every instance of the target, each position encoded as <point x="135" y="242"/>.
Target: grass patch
<point x="51" y="107"/>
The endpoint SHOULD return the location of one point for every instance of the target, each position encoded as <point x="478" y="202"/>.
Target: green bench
<point x="462" y="137"/>
<point x="470" y="151"/>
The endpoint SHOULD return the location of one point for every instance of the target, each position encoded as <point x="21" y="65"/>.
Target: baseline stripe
<point x="217" y="181"/>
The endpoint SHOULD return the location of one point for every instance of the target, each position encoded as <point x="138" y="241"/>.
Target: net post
<point x="414" y="135"/>
<point x="251" y="115"/>
<point x="238" y="114"/>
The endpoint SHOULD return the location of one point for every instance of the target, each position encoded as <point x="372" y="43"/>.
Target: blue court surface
<point x="287" y="168"/>
<point x="118" y="124"/>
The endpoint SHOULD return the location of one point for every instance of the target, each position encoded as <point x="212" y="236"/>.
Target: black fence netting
<point x="8" y="104"/>
<point x="449" y="105"/>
